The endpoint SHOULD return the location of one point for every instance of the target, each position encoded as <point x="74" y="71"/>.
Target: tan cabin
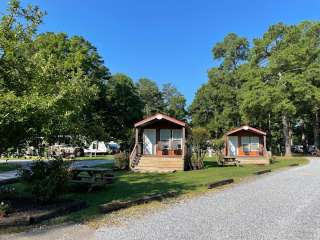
<point x="160" y="144"/>
<point x="247" y="145"/>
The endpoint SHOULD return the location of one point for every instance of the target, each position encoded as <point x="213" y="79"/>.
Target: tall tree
<point x="151" y="96"/>
<point x="123" y="107"/>
<point x="46" y="81"/>
<point x="174" y="101"/>
<point x="216" y="104"/>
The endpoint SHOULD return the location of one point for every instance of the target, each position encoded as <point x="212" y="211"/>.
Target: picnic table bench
<point x="92" y="177"/>
<point x="228" y="160"/>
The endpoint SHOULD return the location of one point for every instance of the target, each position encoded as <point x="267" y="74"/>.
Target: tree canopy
<point x="273" y="84"/>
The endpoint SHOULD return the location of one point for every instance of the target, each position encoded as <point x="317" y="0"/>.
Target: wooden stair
<point x="159" y="164"/>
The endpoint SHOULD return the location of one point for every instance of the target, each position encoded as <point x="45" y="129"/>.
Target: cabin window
<point x="245" y="144"/>
<point x="250" y="144"/>
<point x="165" y="134"/>
<point x="254" y="143"/>
<point x="176" y="134"/>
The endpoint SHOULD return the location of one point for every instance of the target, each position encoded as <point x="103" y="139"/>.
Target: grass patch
<point x="101" y="157"/>
<point x="129" y="185"/>
<point x="5" y="167"/>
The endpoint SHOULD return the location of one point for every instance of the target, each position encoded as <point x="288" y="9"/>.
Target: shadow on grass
<point x="210" y="164"/>
<point x="127" y="186"/>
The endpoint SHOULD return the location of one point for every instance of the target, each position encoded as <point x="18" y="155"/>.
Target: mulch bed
<point x="25" y="211"/>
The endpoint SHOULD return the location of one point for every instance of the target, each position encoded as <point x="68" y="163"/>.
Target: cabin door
<point x="233" y="145"/>
<point x="149" y="141"/>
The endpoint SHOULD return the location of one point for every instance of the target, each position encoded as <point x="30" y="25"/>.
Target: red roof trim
<point x="159" y="116"/>
<point x="246" y="128"/>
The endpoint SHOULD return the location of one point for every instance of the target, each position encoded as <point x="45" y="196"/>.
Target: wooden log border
<point x="262" y="172"/>
<point x="294" y="165"/>
<point x="117" y="205"/>
<point x="220" y="183"/>
<point x="33" y="219"/>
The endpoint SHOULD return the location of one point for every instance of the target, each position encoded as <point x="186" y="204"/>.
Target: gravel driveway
<point x="282" y="205"/>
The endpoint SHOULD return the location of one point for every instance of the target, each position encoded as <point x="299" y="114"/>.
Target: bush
<point x="5" y="208"/>
<point x="121" y="160"/>
<point x="46" y="181"/>
<point x="199" y="141"/>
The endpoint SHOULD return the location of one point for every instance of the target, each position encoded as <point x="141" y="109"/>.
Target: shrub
<point x="121" y="160"/>
<point x="199" y="141"/>
<point x="4" y="208"/>
<point x="47" y="181"/>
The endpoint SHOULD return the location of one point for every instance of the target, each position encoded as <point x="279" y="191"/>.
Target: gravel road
<point x="281" y="205"/>
<point x="284" y="205"/>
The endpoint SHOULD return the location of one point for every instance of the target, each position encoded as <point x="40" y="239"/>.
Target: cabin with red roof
<point x="247" y="145"/>
<point x="160" y="144"/>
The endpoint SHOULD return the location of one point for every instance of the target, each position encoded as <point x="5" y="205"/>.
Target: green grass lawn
<point x="4" y="167"/>
<point x="129" y="185"/>
<point x="98" y="157"/>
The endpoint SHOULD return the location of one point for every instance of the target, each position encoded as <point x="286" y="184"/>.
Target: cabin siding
<point x="256" y="156"/>
<point x="168" y="155"/>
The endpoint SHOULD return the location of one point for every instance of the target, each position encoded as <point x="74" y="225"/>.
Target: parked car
<point x="311" y="149"/>
<point x="297" y="148"/>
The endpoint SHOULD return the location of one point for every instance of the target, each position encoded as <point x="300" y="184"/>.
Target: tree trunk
<point x="303" y="136"/>
<point x="316" y="130"/>
<point x="286" y="136"/>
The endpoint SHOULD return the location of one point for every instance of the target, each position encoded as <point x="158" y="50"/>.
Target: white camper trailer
<point x="96" y="148"/>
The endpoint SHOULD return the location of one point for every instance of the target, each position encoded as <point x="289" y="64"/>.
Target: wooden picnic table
<point x="91" y="176"/>
<point x="229" y="160"/>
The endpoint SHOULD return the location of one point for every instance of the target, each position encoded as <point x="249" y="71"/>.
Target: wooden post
<point x="183" y="141"/>
<point x="137" y="140"/>
<point x="264" y="145"/>
<point x="225" y="145"/>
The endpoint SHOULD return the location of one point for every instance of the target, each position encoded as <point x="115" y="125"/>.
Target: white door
<point x="232" y="145"/>
<point x="149" y="141"/>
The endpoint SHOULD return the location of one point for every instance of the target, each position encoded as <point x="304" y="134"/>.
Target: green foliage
<point x="200" y="142"/>
<point x="121" y="160"/>
<point x="174" y="101"/>
<point x="218" y="145"/>
<point x="47" y="181"/>
<point x="151" y="96"/>
<point x="5" y="208"/>
<point x="122" y="108"/>
<point x="273" y="85"/>
<point x="47" y="82"/>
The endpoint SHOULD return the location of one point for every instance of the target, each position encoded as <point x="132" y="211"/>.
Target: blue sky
<point x="167" y="40"/>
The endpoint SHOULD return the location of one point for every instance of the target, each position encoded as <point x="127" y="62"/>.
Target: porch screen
<point x="176" y="139"/>
<point x="250" y="143"/>
<point x="165" y="134"/>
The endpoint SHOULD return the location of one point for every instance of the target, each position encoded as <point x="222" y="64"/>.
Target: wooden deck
<point x="253" y="160"/>
<point x="160" y="164"/>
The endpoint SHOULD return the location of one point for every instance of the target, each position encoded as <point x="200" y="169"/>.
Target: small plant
<point x="47" y="181"/>
<point x="121" y="160"/>
<point x="4" y="208"/>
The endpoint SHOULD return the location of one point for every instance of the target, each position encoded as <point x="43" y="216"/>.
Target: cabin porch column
<point x="264" y="144"/>
<point x="183" y="141"/>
